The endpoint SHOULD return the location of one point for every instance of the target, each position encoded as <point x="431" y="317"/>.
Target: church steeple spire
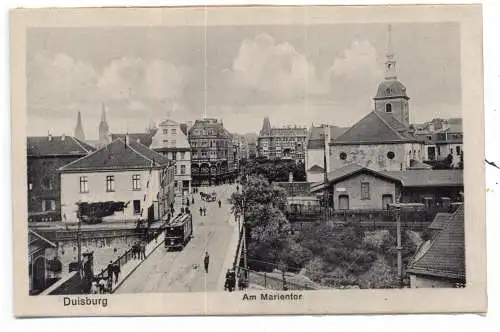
<point x="390" y="62"/>
<point x="79" y="134"/>
<point x="103" y="127"/>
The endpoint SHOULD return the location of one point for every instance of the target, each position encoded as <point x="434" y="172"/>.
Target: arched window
<point x="388" y="108"/>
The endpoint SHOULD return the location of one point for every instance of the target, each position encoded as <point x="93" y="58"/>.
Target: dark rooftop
<point x="45" y="146"/>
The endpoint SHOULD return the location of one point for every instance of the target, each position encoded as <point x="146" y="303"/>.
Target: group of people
<point x="103" y="283"/>
<point x="139" y="250"/>
<point x="230" y="283"/>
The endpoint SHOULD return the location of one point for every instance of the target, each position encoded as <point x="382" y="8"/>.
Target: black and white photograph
<point x="261" y="161"/>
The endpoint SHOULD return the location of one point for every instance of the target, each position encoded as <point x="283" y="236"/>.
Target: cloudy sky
<point x="293" y="74"/>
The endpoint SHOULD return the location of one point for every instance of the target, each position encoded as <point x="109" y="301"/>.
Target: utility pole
<point x="325" y="176"/>
<point x="78" y="236"/>
<point x="399" y="247"/>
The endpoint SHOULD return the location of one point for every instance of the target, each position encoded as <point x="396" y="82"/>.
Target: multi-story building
<point x="212" y="158"/>
<point x="443" y="139"/>
<point x="122" y="171"/>
<point x="171" y="140"/>
<point x="252" y="150"/>
<point x="45" y="155"/>
<point x="282" y="143"/>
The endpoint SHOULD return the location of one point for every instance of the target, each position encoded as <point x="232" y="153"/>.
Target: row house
<point x="212" y="160"/>
<point x="171" y="140"/>
<point x="282" y="143"/>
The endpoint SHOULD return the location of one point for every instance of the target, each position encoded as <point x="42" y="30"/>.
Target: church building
<point x="382" y="140"/>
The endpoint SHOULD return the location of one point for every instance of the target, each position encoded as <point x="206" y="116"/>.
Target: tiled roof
<point x="426" y="178"/>
<point x="350" y="170"/>
<point x="445" y="257"/>
<point x="376" y="128"/>
<point x="118" y="155"/>
<point x="295" y="188"/>
<point x="316" y="140"/>
<point x="288" y="132"/>
<point x="440" y="220"/>
<point x="143" y="138"/>
<point x="56" y="146"/>
<point x="316" y="168"/>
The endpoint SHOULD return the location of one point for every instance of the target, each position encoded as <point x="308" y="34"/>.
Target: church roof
<point x="266" y="128"/>
<point x="316" y="140"/>
<point x="118" y="155"/>
<point x="376" y="128"/>
<point x="391" y="88"/>
<point x="445" y="257"/>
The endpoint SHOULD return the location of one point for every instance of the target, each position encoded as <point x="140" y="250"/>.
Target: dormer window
<point x="388" y="108"/>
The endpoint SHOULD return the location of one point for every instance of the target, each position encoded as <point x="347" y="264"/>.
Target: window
<point x="458" y="150"/>
<point x="165" y="131"/>
<point x="173" y="143"/>
<point x="175" y="169"/>
<point x="174" y="131"/>
<point x="390" y="155"/>
<point x="388" y="108"/>
<point x="110" y="183"/>
<point x="365" y="190"/>
<point x="136" y="182"/>
<point x="48" y="205"/>
<point x="343" y="155"/>
<point x="183" y="155"/>
<point x="137" y="206"/>
<point x="174" y="155"/>
<point x="84" y="184"/>
<point x="183" y="169"/>
<point x="47" y="183"/>
<point x="175" y="184"/>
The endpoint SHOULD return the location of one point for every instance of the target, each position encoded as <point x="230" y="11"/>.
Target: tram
<point x="179" y="231"/>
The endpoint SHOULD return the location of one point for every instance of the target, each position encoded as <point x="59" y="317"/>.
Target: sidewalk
<point x="231" y="251"/>
<point x="133" y="264"/>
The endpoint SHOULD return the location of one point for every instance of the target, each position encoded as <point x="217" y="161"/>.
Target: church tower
<point x="79" y="134"/>
<point x="103" y="128"/>
<point x="391" y="93"/>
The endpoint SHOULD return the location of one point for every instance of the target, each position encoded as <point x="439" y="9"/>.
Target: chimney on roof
<point x="63" y="136"/>
<point x="49" y="136"/>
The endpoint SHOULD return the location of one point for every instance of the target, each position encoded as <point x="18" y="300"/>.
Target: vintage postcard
<point x="248" y="160"/>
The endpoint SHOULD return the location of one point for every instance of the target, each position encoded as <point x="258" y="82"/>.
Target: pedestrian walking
<point x="205" y="211"/>
<point x="206" y="261"/>
<point x="219" y="203"/>
<point x="110" y="271"/>
<point x="228" y="276"/>
<point x="116" y="271"/>
<point x="143" y="250"/>
<point x="94" y="289"/>
<point x="201" y="211"/>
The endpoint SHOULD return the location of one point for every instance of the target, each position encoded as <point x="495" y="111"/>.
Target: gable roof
<point x="44" y="146"/>
<point x="440" y="221"/>
<point x="118" y="155"/>
<point x="350" y="170"/>
<point x="316" y="139"/>
<point x="143" y="138"/>
<point x="429" y="177"/>
<point x="445" y="257"/>
<point x="316" y="169"/>
<point x="376" y="128"/>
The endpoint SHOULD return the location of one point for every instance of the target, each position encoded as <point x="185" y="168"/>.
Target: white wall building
<point x="122" y="171"/>
<point x="171" y="140"/>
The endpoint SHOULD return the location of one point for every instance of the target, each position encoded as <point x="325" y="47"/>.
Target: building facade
<point x="282" y="143"/>
<point x="44" y="156"/>
<point x="212" y="157"/>
<point x="171" y="140"/>
<point x="122" y="171"/>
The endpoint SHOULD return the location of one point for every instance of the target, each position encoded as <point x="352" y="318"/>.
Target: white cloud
<point x="276" y="71"/>
<point x="60" y="79"/>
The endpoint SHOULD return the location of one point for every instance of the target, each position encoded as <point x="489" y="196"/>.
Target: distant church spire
<point x="103" y="127"/>
<point x="79" y="134"/>
<point x="266" y="127"/>
<point x="390" y="62"/>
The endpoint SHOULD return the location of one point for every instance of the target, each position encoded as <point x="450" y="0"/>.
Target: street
<point x="183" y="271"/>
